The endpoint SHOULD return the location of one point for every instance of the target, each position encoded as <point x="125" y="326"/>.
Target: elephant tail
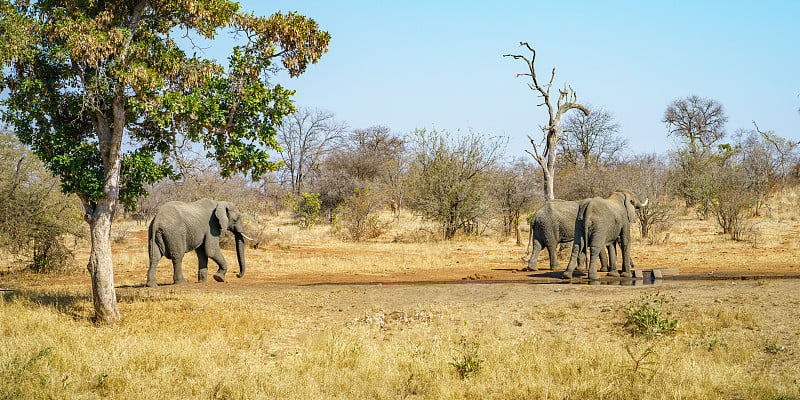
<point x="528" y="248"/>
<point x="155" y="245"/>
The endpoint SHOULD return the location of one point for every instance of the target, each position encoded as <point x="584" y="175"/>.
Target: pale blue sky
<point x="423" y="64"/>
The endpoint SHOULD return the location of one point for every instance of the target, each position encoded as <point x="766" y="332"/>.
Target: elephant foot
<point x="180" y="281"/>
<point x="202" y="276"/>
<point x="604" y="269"/>
<point x="219" y="277"/>
<point x="555" y="268"/>
<point x="614" y="273"/>
<point x="595" y="276"/>
<point x="566" y="275"/>
<point x="627" y="274"/>
<point x="151" y="284"/>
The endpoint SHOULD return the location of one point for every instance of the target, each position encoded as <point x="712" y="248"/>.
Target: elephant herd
<point x="596" y="224"/>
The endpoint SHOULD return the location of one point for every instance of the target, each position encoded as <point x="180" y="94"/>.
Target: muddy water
<point x="574" y="281"/>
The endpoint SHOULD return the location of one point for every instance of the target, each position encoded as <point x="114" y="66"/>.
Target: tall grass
<point x="289" y="343"/>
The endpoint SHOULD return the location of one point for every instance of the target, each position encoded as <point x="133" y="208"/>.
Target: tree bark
<point x="100" y="266"/>
<point x="100" y="213"/>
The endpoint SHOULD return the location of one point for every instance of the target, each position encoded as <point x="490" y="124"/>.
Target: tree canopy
<point x="83" y="73"/>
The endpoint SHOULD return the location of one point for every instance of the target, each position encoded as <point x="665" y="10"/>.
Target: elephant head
<point x="631" y="202"/>
<point x="229" y="218"/>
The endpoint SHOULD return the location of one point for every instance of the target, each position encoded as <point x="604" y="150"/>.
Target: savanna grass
<point x="184" y="344"/>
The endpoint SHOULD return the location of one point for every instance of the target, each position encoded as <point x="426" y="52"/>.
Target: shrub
<point x="450" y="177"/>
<point x="466" y="362"/>
<point x="306" y="208"/>
<point x="647" y="316"/>
<point x="34" y="215"/>
<point x="357" y="215"/>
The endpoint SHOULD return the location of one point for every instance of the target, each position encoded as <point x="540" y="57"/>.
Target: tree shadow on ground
<point x="69" y="303"/>
<point x="76" y="305"/>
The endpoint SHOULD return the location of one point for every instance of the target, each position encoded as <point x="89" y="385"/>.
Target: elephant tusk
<point x="247" y="237"/>
<point x="645" y="202"/>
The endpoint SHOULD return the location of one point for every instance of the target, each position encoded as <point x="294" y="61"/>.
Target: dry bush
<point x="514" y="188"/>
<point x="35" y="217"/>
<point x="357" y="215"/>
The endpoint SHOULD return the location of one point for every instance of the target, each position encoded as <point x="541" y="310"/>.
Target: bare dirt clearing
<point x="694" y="247"/>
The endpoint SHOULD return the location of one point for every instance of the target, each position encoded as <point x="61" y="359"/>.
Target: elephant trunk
<point x="240" y="253"/>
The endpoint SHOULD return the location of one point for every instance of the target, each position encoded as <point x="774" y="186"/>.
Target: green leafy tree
<point x="83" y="77"/>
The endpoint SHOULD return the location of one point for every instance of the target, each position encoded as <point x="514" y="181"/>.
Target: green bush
<point x="647" y="316"/>
<point x="306" y="208"/>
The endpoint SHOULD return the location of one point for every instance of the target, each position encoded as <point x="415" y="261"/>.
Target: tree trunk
<point x="100" y="266"/>
<point x="99" y="214"/>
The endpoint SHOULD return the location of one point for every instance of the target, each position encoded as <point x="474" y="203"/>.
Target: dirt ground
<point x="696" y="248"/>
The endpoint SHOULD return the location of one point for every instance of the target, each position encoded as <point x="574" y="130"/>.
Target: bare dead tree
<point x="567" y="100"/>
<point x="305" y="138"/>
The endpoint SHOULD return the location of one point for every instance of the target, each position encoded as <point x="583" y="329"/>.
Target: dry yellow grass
<point x="330" y="342"/>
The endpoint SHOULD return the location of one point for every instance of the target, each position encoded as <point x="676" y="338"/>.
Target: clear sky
<point x="428" y="64"/>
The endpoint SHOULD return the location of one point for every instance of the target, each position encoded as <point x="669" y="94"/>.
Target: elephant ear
<point x="222" y="215"/>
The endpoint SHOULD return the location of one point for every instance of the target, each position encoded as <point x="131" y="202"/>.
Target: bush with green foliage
<point x="306" y="208"/>
<point x="647" y="315"/>
<point x="450" y="177"/>
<point x="466" y="362"/>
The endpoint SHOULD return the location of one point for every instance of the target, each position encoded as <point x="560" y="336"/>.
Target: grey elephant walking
<point x="602" y="223"/>
<point x="552" y="224"/>
<point x="179" y="228"/>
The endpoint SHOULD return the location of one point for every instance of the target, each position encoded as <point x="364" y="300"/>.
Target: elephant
<point x="604" y="222"/>
<point x="554" y="223"/>
<point x="180" y="227"/>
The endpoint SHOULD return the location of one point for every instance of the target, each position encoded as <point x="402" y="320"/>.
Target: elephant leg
<point x="552" y="250"/>
<point x="612" y="260"/>
<point x="625" y="248"/>
<point x="202" y="264"/>
<point x="582" y="260"/>
<point x="573" y="259"/>
<point x="594" y="256"/>
<point x="537" y="247"/>
<point x="177" y="270"/>
<point x="155" y="257"/>
<point x="216" y="255"/>
<point x="604" y="266"/>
